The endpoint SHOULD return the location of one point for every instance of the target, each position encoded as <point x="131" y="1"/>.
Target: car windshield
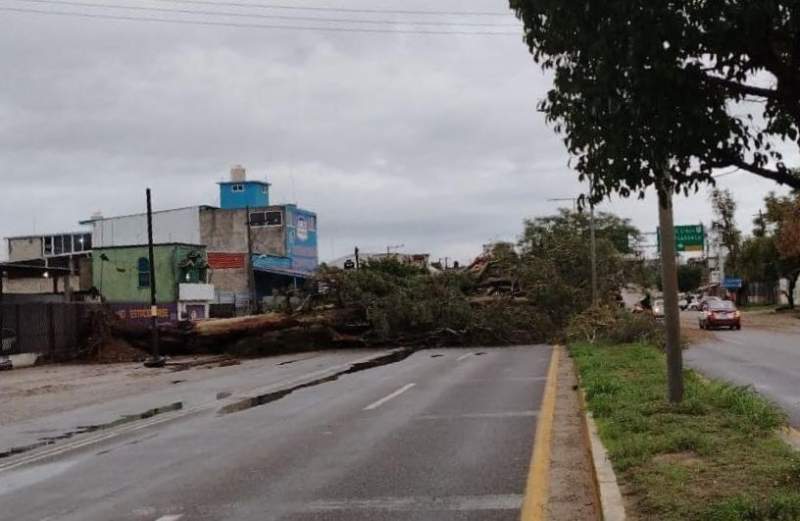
<point x="722" y="305"/>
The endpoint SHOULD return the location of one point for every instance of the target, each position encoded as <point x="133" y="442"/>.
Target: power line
<point x="262" y="5"/>
<point x="259" y="15"/>
<point x="243" y="25"/>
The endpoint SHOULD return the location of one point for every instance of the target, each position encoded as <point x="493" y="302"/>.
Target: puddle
<point x="262" y="399"/>
<point x="85" y="429"/>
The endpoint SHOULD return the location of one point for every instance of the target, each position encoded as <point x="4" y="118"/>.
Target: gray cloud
<point x="430" y="141"/>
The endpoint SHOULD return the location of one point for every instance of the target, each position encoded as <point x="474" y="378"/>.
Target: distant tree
<point x="690" y="276"/>
<point x="555" y="255"/>
<point x="758" y="260"/>
<point x="783" y="213"/>
<point x="724" y="225"/>
<point x="652" y="92"/>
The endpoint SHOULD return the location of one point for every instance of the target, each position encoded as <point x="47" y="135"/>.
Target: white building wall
<point x="181" y="225"/>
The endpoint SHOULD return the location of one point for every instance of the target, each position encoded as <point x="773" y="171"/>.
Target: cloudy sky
<point x="427" y="140"/>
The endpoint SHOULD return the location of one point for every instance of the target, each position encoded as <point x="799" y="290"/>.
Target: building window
<point x="67" y="243"/>
<point x="264" y="190"/>
<point x="143" y="265"/>
<point x="48" y="245"/>
<point x="311" y="222"/>
<point x="58" y="245"/>
<point x="87" y="241"/>
<point x="272" y="218"/>
<point x="237" y="188"/>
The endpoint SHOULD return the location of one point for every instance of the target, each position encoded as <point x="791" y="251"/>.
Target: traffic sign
<point x="732" y="283"/>
<point x="687" y="238"/>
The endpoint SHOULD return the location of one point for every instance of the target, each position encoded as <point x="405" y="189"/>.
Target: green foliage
<point x="649" y="93"/>
<point x="555" y="261"/>
<point x="606" y="324"/>
<point x="724" y="225"/>
<point x="715" y="456"/>
<point x="690" y="277"/>
<point x="392" y="266"/>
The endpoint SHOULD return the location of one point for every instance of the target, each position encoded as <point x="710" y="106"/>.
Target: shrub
<point x="606" y="324"/>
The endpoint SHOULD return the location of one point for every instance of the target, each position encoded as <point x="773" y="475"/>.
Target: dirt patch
<point x="572" y="494"/>
<point x="685" y="458"/>
<point x="117" y="350"/>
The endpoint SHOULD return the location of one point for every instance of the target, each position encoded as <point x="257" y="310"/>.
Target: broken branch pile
<point x="382" y="304"/>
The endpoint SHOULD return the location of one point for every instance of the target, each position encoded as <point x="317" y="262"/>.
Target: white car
<point x="658" y="308"/>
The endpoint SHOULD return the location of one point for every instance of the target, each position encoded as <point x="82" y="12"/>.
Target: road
<point x="767" y="359"/>
<point x="442" y="434"/>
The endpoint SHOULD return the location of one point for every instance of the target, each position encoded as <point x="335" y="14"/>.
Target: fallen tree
<point x="506" y="296"/>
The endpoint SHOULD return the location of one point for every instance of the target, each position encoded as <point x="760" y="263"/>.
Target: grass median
<point x="715" y="457"/>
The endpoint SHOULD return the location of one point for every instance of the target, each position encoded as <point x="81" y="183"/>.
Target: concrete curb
<point x="609" y="496"/>
<point x="611" y="504"/>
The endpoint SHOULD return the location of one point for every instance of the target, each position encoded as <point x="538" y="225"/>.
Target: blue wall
<point x="301" y="239"/>
<point x="255" y="194"/>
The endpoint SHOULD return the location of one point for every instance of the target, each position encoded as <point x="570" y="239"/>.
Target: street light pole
<point x="155" y="360"/>
<point x="669" y="282"/>
<point x="593" y="249"/>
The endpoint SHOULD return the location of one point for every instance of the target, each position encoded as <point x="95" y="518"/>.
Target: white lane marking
<point x="417" y="503"/>
<point x="479" y="415"/>
<point x="375" y="405"/>
<point x="173" y="517"/>
<point x="463" y="357"/>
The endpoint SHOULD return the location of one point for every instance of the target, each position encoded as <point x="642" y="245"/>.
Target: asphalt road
<point x="767" y="360"/>
<point x="444" y="435"/>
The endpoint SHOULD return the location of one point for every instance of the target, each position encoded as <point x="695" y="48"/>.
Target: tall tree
<point x="724" y="226"/>
<point x="653" y="92"/>
<point x="783" y="212"/>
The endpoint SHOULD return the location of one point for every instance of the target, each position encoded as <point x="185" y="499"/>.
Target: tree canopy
<point x="664" y="92"/>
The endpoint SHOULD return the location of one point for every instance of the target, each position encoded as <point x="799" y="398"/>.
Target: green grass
<point x="716" y="456"/>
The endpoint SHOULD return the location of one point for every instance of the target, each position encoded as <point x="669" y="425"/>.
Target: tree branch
<point x="781" y="176"/>
<point x="741" y="88"/>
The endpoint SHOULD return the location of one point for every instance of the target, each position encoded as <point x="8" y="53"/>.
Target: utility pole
<point x="592" y="242"/>
<point x="358" y="263"/>
<point x="669" y="282"/>
<point x="251" y="274"/>
<point x="156" y="360"/>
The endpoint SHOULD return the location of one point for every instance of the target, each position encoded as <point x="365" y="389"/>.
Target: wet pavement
<point x="422" y="437"/>
<point x="768" y="360"/>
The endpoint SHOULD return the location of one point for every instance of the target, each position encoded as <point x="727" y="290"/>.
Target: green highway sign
<point x="687" y="238"/>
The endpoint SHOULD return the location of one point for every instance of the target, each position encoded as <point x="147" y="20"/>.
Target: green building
<point x="122" y="276"/>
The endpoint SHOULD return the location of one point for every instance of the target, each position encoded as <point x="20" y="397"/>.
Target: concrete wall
<point x="229" y="281"/>
<point x="38" y="285"/>
<point x="24" y="249"/>
<point x="170" y="226"/>
<point x="226" y="231"/>
<point x="118" y="277"/>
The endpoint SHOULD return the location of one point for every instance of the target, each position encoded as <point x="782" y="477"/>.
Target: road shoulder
<point x="572" y="491"/>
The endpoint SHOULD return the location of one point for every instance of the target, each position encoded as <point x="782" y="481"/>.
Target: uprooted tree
<point x="513" y="294"/>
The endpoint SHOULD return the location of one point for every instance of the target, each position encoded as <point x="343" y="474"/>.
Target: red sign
<point x="225" y="261"/>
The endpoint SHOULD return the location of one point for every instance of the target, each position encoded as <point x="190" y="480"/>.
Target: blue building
<point x="239" y="193"/>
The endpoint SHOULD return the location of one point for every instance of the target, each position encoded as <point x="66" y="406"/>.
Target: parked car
<point x="716" y="313"/>
<point x="658" y="308"/>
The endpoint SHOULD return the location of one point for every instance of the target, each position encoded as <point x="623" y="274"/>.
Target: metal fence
<point x="54" y="330"/>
